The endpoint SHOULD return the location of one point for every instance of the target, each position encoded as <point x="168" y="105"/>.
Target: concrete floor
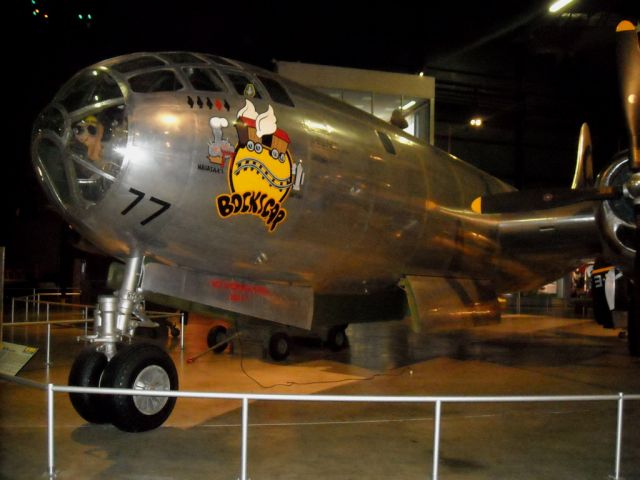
<point x="524" y="355"/>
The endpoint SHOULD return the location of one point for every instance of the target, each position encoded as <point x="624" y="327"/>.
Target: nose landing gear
<point x="108" y="363"/>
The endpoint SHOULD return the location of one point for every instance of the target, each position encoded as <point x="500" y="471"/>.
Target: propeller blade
<point x="583" y="176"/>
<point x="628" y="53"/>
<point x="527" y="200"/>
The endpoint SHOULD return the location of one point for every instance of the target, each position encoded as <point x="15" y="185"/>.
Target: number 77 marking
<point x="164" y="206"/>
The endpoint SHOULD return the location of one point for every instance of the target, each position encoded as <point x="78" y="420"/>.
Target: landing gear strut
<point x="107" y="363"/>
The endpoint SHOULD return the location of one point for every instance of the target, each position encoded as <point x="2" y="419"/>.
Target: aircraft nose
<point x="78" y="141"/>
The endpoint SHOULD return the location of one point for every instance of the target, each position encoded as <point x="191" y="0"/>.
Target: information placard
<point x="13" y="357"/>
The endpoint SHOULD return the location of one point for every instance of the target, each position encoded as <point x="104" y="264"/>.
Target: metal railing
<point x="246" y="397"/>
<point x="35" y="299"/>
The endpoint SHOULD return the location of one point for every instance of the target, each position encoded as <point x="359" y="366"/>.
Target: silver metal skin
<point x="366" y="204"/>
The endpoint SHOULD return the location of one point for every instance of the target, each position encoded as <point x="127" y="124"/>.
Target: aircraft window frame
<point x="219" y="60"/>
<point x="213" y="76"/>
<point x="386" y="142"/>
<point x="276" y="90"/>
<point x="182" y="58"/>
<point x="88" y="88"/>
<point x="138" y="63"/>
<point x="155" y="86"/>
<point x="259" y="93"/>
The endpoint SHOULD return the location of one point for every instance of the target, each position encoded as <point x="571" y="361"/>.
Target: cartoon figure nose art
<point x="261" y="174"/>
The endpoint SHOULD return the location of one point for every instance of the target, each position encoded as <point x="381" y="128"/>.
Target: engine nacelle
<point x="615" y="217"/>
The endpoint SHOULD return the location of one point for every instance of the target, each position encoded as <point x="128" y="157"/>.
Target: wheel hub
<point x="152" y="377"/>
<point x="281" y="346"/>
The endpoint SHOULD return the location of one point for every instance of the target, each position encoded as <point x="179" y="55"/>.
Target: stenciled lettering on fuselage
<point x="260" y="169"/>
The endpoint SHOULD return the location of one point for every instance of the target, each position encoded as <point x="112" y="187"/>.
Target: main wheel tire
<point x="279" y="346"/>
<point x="86" y="371"/>
<point x="142" y="367"/>
<point x="337" y="338"/>
<point x="216" y="335"/>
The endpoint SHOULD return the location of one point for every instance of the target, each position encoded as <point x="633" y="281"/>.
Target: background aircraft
<point x="224" y="185"/>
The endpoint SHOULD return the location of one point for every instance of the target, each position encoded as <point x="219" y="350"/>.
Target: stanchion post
<point x="245" y="421"/>
<point x="48" y="338"/>
<point x="50" y="436"/>
<point x="436" y="439"/>
<point x="48" y="344"/>
<point x="619" y="436"/>
<point x="182" y="331"/>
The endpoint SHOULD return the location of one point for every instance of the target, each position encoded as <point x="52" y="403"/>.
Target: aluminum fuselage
<point x="360" y="216"/>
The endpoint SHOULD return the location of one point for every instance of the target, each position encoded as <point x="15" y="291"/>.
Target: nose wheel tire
<point x="86" y="371"/>
<point x="141" y="367"/>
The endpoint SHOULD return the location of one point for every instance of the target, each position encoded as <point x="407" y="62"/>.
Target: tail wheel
<point x="86" y="371"/>
<point x="279" y="346"/>
<point x="140" y="367"/>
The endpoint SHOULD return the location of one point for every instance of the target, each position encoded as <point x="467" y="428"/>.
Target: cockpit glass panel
<point x="90" y="87"/>
<point x="205" y="79"/>
<point x="97" y="150"/>
<point x="276" y="91"/>
<point x="51" y="157"/>
<point x="52" y="119"/>
<point x="243" y="85"/>
<point x="156" y="81"/>
<point x="139" y="63"/>
<point x="181" y="58"/>
<point x="79" y="141"/>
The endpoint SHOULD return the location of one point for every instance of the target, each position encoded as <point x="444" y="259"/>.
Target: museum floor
<point x="524" y="355"/>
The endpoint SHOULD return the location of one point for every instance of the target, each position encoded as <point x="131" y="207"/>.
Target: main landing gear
<point x="111" y="363"/>
<point x="278" y="343"/>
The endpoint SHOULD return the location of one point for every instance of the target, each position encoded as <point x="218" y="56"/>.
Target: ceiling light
<point x="409" y="105"/>
<point x="558" y="5"/>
